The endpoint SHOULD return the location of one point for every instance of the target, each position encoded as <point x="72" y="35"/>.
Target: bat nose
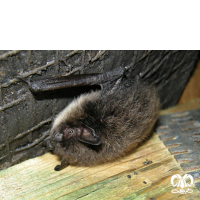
<point x="58" y="137"/>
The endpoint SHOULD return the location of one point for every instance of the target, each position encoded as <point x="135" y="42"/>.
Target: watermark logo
<point x="181" y="184"/>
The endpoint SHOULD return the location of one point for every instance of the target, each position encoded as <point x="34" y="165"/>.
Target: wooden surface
<point x="190" y="105"/>
<point x="192" y="89"/>
<point x="36" y="178"/>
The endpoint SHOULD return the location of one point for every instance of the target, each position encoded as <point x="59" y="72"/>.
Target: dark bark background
<point x="25" y="119"/>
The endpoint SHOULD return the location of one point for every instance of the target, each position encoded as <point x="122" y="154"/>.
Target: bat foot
<point x="57" y="168"/>
<point x="63" y="165"/>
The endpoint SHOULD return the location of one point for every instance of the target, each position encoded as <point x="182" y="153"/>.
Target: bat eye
<point x="71" y="132"/>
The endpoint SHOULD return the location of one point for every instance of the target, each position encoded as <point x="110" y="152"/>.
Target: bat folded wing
<point x="54" y="83"/>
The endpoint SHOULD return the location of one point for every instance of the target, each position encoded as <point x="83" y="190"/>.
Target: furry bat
<point x="103" y="125"/>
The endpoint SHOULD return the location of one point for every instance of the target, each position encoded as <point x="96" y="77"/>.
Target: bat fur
<point x="102" y="126"/>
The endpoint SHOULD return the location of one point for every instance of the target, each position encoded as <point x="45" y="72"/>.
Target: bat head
<point x="83" y="134"/>
<point x="70" y="125"/>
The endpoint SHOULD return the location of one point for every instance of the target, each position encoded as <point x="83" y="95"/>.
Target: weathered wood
<point x="192" y="89"/>
<point x="190" y="105"/>
<point x="36" y="178"/>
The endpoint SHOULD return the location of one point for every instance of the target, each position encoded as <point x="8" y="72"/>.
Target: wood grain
<point x="192" y="89"/>
<point x="190" y="105"/>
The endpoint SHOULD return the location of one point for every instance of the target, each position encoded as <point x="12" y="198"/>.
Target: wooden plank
<point x="192" y="89"/>
<point x="36" y="178"/>
<point x="190" y="105"/>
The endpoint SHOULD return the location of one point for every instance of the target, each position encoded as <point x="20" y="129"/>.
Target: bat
<point x="104" y="125"/>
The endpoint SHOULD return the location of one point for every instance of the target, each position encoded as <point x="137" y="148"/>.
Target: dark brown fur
<point x="121" y="120"/>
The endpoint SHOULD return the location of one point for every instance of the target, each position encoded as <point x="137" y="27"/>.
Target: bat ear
<point x="88" y="136"/>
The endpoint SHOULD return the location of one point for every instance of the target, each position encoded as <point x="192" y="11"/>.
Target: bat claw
<point x="57" y="168"/>
<point x="62" y="166"/>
